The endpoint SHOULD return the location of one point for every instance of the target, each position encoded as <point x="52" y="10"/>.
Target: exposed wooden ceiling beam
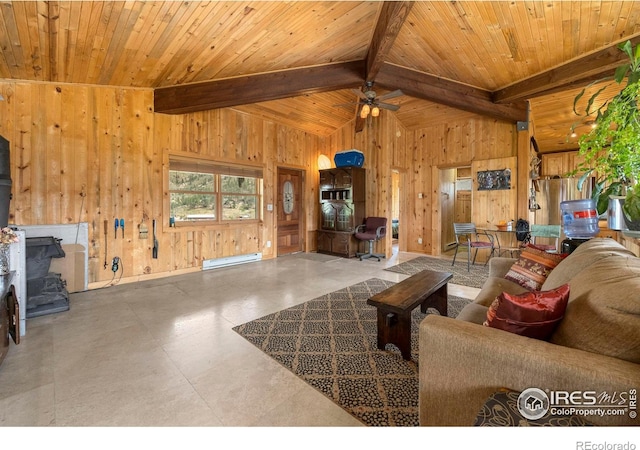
<point x="449" y="93"/>
<point x="390" y="21"/>
<point x="579" y="71"/>
<point x="257" y="88"/>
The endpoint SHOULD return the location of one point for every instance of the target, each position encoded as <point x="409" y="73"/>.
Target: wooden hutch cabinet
<point x="342" y="203"/>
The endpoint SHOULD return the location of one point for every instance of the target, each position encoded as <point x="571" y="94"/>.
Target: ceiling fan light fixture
<point x="364" y="112"/>
<point x="375" y="112"/>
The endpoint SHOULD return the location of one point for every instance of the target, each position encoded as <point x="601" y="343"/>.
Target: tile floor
<point x="163" y="352"/>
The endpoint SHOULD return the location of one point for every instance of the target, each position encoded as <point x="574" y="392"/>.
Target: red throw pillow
<point x="533" y="267"/>
<point x="532" y="314"/>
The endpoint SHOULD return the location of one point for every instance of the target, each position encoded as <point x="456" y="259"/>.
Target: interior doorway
<point x="395" y="210"/>
<point x="455" y="202"/>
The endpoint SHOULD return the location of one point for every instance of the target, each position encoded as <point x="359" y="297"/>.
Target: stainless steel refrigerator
<point x="551" y="191"/>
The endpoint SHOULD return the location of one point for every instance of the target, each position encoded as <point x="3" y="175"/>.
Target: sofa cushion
<point x="582" y="257"/>
<point x="474" y="313"/>
<point x="533" y="267"/>
<point x="499" y="266"/>
<point x="603" y="314"/>
<point x="494" y="286"/>
<point x="533" y="314"/>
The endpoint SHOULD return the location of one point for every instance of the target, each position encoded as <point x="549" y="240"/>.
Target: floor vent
<point x="230" y="261"/>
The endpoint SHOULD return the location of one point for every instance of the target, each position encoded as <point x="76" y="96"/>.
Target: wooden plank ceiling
<point x="294" y="61"/>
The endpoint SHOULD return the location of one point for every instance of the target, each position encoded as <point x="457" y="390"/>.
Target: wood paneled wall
<point x="418" y="156"/>
<point x="90" y="154"/>
<point x="230" y="136"/>
<point x="86" y="153"/>
<point x="488" y="208"/>
<point x="464" y="143"/>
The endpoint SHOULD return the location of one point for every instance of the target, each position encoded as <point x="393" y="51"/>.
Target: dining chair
<point x="550" y="233"/>
<point x="469" y="237"/>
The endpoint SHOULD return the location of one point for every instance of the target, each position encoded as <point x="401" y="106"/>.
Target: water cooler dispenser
<point x="580" y="222"/>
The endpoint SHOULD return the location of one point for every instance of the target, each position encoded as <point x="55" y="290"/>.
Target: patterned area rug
<point x="330" y="342"/>
<point x="475" y="277"/>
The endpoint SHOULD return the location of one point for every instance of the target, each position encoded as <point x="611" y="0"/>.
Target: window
<point x="239" y="197"/>
<point x="192" y="195"/>
<point x="204" y="191"/>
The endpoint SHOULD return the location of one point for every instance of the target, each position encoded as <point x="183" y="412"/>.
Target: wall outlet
<point x="419" y="240"/>
<point x="268" y="244"/>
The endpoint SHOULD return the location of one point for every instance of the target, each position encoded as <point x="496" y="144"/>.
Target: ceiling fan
<point x="371" y="102"/>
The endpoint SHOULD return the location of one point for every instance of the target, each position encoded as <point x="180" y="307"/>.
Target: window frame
<point x="217" y="169"/>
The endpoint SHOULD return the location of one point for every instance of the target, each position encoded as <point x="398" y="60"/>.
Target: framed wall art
<point x="491" y="180"/>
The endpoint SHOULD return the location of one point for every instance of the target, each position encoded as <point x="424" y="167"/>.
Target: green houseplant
<point x="611" y="150"/>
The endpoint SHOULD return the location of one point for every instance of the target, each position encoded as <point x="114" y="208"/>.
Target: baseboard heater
<point x="230" y="261"/>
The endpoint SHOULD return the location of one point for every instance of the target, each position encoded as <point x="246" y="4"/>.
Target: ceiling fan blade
<point x="388" y="106"/>
<point x="392" y="94"/>
<point x="359" y="93"/>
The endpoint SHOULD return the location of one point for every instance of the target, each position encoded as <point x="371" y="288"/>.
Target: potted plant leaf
<point x="611" y="150"/>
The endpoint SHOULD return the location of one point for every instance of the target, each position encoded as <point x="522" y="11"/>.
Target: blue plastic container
<point x="349" y="158"/>
<point x="580" y="218"/>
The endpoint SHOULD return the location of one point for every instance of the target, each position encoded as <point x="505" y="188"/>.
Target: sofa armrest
<point x="499" y="266"/>
<point x="462" y="364"/>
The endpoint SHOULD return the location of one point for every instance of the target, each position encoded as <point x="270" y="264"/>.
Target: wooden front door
<point x="290" y="211"/>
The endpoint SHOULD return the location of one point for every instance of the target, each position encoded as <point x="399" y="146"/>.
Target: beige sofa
<point x="596" y="346"/>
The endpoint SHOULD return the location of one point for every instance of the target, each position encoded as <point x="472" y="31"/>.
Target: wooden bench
<point x="427" y="289"/>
